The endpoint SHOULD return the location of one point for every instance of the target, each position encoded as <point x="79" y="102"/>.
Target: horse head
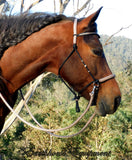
<point x="91" y="52"/>
<point x="47" y="48"/>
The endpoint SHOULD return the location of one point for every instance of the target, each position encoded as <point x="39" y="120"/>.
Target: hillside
<point x="118" y="52"/>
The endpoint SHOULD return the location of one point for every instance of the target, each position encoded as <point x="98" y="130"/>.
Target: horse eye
<point x="98" y="52"/>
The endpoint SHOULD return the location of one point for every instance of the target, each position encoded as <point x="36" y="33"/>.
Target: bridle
<point x="95" y="82"/>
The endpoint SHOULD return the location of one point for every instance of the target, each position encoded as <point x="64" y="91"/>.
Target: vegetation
<point x="52" y="105"/>
<point x="118" y="52"/>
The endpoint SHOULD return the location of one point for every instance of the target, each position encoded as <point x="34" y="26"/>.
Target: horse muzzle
<point x="107" y="107"/>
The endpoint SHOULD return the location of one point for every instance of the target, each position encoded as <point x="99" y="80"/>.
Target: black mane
<point x="14" y="29"/>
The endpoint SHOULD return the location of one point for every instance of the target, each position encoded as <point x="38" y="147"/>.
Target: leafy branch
<point x="85" y="5"/>
<point x="32" y="5"/>
<point x="122" y="28"/>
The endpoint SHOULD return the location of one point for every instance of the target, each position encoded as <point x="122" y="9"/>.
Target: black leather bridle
<point x="95" y="81"/>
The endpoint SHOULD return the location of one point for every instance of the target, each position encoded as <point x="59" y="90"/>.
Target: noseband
<point x="95" y="82"/>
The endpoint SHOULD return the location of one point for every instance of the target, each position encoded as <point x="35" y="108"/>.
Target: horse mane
<point x="15" y="29"/>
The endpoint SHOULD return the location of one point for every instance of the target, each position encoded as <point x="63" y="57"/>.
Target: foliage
<point x="118" y="52"/>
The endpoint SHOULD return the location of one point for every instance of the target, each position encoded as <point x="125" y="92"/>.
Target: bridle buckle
<point x="96" y="83"/>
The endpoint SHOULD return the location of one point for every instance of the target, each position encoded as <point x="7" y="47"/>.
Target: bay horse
<point x="31" y="44"/>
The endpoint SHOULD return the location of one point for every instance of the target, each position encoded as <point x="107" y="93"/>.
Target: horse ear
<point x="90" y="19"/>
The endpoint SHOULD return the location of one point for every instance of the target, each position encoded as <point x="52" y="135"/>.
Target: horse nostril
<point x="117" y="102"/>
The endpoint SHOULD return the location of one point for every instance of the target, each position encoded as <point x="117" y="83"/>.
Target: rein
<point x="49" y="131"/>
<point x="95" y="83"/>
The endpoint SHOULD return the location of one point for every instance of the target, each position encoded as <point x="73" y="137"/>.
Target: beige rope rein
<point x="52" y="130"/>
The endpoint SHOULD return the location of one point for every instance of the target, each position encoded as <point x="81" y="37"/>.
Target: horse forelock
<point x="15" y="29"/>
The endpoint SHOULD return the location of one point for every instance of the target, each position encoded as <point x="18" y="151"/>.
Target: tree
<point x="78" y="8"/>
<point x="129" y="68"/>
<point x="3" y="6"/>
<point x="60" y="6"/>
<point x="2" y="2"/>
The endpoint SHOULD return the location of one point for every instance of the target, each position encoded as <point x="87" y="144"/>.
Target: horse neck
<point x="28" y="59"/>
